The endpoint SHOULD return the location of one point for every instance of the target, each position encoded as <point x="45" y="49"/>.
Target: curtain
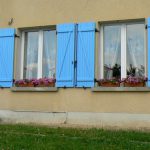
<point x="112" y="52"/>
<point x="49" y="54"/>
<point x="135" y="50"/>
<point x="31" y="55"/>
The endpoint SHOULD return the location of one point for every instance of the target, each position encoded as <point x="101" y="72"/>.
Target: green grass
<point x="23" y="137"/>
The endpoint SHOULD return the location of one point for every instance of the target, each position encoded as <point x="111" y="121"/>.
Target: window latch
<point x="75" y="63"/>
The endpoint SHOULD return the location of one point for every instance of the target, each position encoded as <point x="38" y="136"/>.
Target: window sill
<point x="34" y="89"/>
<point x="121" y="89"/>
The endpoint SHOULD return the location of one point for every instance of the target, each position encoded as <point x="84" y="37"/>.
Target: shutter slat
<point x="85" y="54"/>
<point x="65" y="55"/>
<point x="6" y="56"/>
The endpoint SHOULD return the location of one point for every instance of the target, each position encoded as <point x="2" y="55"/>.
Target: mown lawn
<point x="23" y="137"/>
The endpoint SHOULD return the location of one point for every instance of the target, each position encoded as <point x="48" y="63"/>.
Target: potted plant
<point x="116" y="69"/>
<point x="131" y="71"/>
<point x="115" y="80"/>
<point x="132" y="81"/>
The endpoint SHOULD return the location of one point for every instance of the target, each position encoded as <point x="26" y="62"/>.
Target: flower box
<point x="132" y="81"/>
<point x="43" y="82"/>
<point x="21" y="85"/>
<point x="25" y="85"/>
<point x="52" y="84"/>
<point x="109" y="83"/>
<point x="140" y="84"/>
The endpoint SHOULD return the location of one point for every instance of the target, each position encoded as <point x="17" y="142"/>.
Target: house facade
<point x="76" y="42"/>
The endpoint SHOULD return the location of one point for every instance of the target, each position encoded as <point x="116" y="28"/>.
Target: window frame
<point x="123" y="25"/>
<point x="40" y="49"/>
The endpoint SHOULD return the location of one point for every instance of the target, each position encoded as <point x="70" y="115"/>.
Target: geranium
<point x="36" y="82"/>
<point x="135" y="80"/>
<point x="20" y="82"/>
<point x="112" y="81"/>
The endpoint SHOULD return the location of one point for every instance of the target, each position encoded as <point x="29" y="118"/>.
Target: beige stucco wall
<point x="76" y="100"/>
<point x="27" y="13"/>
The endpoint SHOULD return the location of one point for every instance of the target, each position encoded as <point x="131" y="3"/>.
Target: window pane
<point x="49" y="54"/>
<point x="112" y="51"/>
<point x="135" y="50"/>
<point x="31" y="55"/>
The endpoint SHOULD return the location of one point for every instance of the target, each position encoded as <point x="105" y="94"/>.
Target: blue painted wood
<point x="86" y="54"/>
<point x="65" y="55"/>
<point x="148" y="23"/>
<point x="7" y="40"/>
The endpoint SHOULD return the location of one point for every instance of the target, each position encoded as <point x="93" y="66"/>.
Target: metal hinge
<point x="96" y="30"/>
<point x="146" y="26"/>
<point x="17" y="36"/>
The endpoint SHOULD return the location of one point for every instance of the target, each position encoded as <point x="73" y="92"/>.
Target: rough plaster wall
<point x="45" y="12"/>
<point x="28" y="13"/>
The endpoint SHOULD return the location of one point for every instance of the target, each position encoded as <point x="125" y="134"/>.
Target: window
<point x="122" y="51"/>
<point x="39" y="53"/>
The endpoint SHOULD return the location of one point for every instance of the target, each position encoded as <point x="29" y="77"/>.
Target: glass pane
<point x="135" y="50"/>
<point x="112" y="52"/>
<point x="31" y="55"/>
<point x="49" y="54"/>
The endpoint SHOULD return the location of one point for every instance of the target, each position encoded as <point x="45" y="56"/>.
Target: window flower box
<point x="23" y="83"/>
<point x="131" y="81"/>
<point x="43" y="82"/>
<point x="140" y="84"/>
<point x="108" y="82"/>
<point x="46" y="82"/>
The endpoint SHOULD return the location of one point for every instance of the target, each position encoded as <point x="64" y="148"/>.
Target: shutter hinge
<point x="96" y="30"/>
<point x="146" y="26"/>
<point x="1" y="87"/>
<point x="17" y="36"/>
<point x="95" y="80"/>
<point x="84" y="87"/>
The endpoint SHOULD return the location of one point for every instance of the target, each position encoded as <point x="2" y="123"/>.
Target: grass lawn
<point x="23" y="137"/>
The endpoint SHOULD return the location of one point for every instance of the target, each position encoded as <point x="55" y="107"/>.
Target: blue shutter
<point x="6" y="57"/>
<point x="65" y="55"/>
<point x="148" y="52"/>
<point x="85" y="54"/>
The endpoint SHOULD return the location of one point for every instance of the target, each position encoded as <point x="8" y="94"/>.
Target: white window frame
<point x="123" y="48"/>
<point x="40" y="50"/>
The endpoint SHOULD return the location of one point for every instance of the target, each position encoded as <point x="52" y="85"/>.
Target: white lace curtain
<point x="49" y="54"/>
<point x="112" y="49"/>
<point x="31" y="55"/>
<point x="135" y="50"/>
